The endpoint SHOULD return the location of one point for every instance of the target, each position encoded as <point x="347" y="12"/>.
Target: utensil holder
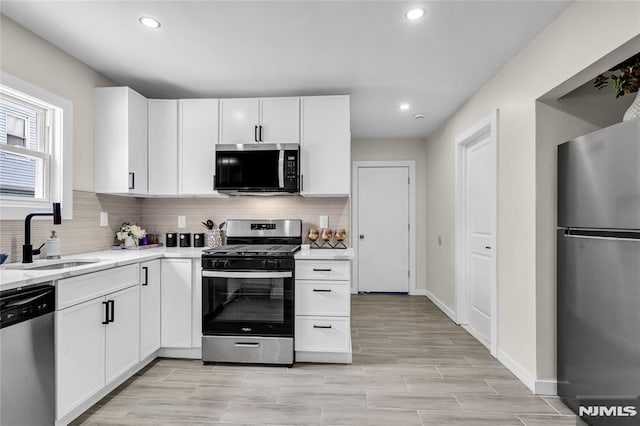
<point x="214" y="239"/>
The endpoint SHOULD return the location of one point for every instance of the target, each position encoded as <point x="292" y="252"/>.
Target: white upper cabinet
<point x="279" y="120"/>
<point x="325" y="146"/>
<point x="120" y="140"/>
<point x="163" y="147"/>
<point x="197" y="142"/>
<point x="260" y="120"/>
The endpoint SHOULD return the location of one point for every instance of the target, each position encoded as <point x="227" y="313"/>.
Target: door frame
<point x="411" y="165"/>
<point x="487" y="126"/>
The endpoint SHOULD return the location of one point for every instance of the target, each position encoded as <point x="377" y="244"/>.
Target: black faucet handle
<point x="38" y="250"/>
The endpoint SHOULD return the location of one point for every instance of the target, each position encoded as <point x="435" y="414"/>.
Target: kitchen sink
<point x="50" y="265"/>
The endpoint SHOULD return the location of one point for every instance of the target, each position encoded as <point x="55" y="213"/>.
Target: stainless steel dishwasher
<point x="27" y="368"/>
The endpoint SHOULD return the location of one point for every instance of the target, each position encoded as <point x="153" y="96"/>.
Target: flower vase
<point x="129" y="242"/>
<point x="213" y="238"/>
<point x="634" y="109"/>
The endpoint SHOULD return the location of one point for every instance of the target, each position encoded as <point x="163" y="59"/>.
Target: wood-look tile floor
<point x="411" y="366"/>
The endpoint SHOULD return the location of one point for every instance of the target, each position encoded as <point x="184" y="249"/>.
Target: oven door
<point x="252" y="303"/>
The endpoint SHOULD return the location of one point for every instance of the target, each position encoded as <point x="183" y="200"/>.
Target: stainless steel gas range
<point x="247" y="293"/>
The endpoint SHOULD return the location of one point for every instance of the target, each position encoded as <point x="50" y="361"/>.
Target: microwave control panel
<point x="291" y="169"/>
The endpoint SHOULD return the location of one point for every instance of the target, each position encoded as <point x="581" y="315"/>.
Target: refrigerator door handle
<point x="602" y="234"/>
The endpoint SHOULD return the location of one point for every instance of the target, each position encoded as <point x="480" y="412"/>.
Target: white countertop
<point x="12" y="278"/>
<point x="326" y="254"/>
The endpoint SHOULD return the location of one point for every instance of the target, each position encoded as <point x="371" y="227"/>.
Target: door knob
<point x="362" y="236"/>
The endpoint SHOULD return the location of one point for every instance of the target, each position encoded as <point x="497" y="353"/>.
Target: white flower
<point x="128" y="230"/>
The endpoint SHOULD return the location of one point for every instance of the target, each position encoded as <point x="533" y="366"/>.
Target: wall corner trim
<point x="546" y="387"/>
<point x="441" y="305"/>
<point x="417" y="292"/>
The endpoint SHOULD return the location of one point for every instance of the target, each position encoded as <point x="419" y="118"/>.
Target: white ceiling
<point x="278" y="48"/>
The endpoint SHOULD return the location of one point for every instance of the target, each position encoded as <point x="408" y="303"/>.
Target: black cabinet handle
<point x="260" y="134"/>
<point x="213" y="185"/>
<point x="301" y="183"/>
<point x="132" y="180"/>
<point x="321" y="326"/>
<point x="322" y="290"/>
<point x="488" y="247"/>
<point x="321" y="269"/>
<point x="146" y="275"/>
<point x="112" y="305"/>
<point x="255" y="133"/>
<point x="106" y="312"/>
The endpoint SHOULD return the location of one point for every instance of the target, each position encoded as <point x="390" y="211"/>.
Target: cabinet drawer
<point x="72" y="291"/>
<point x="323" y="269"/>
<point x="322" y="334"/>
<point x="322" y="298"/>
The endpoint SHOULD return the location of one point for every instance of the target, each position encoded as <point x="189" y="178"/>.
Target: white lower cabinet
<point x="176" y="302"/>
<point x="196" y="316"/>
<point x="322" y="310"/>
<point x="96" y="342"/>
<point x="149" y="308"/>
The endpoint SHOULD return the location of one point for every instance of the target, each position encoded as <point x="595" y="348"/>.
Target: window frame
<point x="58" y="169"/>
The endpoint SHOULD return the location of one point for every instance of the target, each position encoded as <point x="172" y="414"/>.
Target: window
<point x="35" y="142"/>
<point x="25" y="151"/>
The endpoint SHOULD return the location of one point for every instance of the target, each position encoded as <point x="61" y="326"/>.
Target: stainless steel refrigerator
<point x="598" y="270"/>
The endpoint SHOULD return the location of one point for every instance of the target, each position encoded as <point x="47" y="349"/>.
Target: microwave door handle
<point x="281" y="169"/>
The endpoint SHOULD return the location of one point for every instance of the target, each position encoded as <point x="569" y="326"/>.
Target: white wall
<point x="580" y="36"/>
<point x="30" y="58"/>
<point x="403" y="149"/>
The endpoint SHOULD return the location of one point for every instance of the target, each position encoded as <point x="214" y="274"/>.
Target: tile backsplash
<point x="160" y="215"/>
<point x="81" y="234"/>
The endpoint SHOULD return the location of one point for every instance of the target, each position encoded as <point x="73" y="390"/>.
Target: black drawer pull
<point x="321" y="269"/>
<point x="112" y="305"/>
<point x="146" y="275"/>
<point x="322" y="290"/>
<point x="321" y="326"/>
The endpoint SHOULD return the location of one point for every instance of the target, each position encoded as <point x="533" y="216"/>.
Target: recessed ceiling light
<point x="149" y="22"/>
<point x="415" y="13"/>
<point x="418" y="116"/>
<point x="405" y="107"/>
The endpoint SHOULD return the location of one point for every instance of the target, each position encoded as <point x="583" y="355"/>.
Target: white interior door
<point x="383" y="228"/>
<point x="480" y="211"/>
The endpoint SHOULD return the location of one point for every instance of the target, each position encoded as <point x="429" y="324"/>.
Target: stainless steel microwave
<point x="257" y="169"/>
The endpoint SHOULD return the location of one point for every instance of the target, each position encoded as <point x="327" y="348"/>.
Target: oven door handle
<point x="246" y="274"/>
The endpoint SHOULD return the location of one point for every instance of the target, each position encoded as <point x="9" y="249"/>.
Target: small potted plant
<point x="129" y="234"/>
<point x="626" y="79"/>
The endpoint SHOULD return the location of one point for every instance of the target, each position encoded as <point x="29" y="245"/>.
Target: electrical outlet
<point x="324" y="221"/>
<point x="182" y="222"/>
<point x="104" y="219"/>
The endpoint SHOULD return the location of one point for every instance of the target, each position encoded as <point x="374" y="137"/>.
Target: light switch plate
<point x="182" y="222"/>
<point x="324" y="221"/>
<point x="104" y="219"/>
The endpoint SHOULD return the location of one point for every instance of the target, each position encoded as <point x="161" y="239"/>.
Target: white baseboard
<point x="546" y="387"/>
<point x="444" y="308"/>
<point x="189" y="353"/>
<point x="519" y="371"/>
<point x="477" y="336"/>
<point x="418" y="292"/>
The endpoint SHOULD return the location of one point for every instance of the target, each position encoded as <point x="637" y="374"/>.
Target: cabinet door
<point x="199" y="136"/>
<point x="80" y="344"/>
<point x="325" y="140"/>
<point x="149" y="308"/>
<point x="137" y="131"/>
<point x="280" y="120"/>
<point x="176" y="301"/>
<point x="111" y="140"/>
<point x="163" y="147"/>
<point x="122" y="343"/>
<point x="239" y="119"/>
<point x="196" y="305"/>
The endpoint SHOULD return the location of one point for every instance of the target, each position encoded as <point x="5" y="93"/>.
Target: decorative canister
<point x="198" y="239"/>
